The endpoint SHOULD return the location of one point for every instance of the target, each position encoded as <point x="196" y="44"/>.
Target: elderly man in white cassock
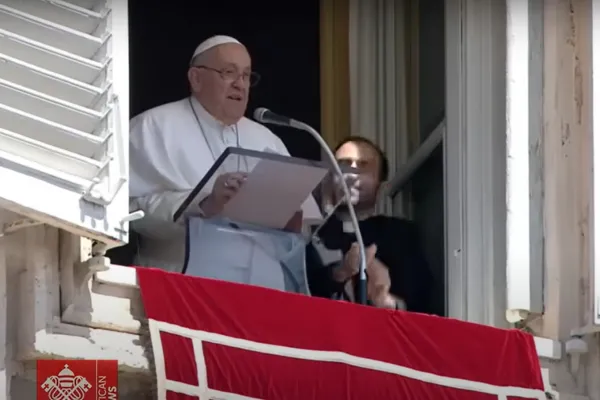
<point x="174" y="145"/>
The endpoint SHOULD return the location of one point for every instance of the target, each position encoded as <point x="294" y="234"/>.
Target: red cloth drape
<point x="266" y="344"/>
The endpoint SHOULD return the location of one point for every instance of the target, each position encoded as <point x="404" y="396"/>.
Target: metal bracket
<point x="585" y="330"/>
<point x="134" y="216"/>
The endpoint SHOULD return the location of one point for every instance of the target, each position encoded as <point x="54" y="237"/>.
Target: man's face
<point x="365" y="159"/>
<point x="221" y="81"/>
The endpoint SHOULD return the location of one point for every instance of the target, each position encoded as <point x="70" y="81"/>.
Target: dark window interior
<point x="282" y="37"/>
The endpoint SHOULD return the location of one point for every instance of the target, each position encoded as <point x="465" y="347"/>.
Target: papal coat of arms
<point x="66" y="386"/>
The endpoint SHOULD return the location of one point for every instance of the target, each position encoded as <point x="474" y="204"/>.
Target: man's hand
<point x="384" y="299"/>
<point x="378" y="284"/>
<point x="353" y="182"/>
<point x="225" y="187"/>
<point x="378" y="287"/>
<point x="350" y="265"/>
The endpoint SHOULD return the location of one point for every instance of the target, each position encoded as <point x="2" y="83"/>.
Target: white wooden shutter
<point x="64" y="111"/>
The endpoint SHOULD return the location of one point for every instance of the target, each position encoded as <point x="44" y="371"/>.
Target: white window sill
<point x="547" y="348"/>
<point x="71" y="341"/>
<point x="118" y="275"/>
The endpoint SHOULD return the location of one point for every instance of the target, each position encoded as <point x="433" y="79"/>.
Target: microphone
<point x="266" y="116"/>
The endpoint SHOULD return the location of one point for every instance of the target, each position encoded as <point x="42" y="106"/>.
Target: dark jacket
<point x="398" y="248"/>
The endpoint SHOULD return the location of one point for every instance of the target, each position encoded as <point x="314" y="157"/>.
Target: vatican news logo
<point x="77" y="380"/>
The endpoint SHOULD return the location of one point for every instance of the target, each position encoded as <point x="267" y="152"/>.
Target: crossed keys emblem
<point x="66" y="386"/>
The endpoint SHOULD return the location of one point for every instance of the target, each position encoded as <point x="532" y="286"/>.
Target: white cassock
<point x="170" y="151"/>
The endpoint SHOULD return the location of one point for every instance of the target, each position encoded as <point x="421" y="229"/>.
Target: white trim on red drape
<point x="204" y="392"/>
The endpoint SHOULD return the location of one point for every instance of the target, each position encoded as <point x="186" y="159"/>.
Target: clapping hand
<point x="350" y="264"/>
<point x="353" y="182"/>
<point x="378" y="286"/>
<point x="379" y="281"/>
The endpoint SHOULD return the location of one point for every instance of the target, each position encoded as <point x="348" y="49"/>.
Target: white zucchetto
<point x="213" y="42"/>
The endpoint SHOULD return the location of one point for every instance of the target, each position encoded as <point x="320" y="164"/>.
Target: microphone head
<point x="266" y="116"/>
<point x="259" y="113"/>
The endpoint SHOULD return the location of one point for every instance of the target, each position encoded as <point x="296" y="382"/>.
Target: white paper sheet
<point x="273" y="192"/>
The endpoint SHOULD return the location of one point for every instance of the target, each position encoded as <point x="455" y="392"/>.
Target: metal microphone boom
<point x="265" y="116"/>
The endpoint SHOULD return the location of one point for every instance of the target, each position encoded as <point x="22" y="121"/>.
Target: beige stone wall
<point x="567" y="167"/>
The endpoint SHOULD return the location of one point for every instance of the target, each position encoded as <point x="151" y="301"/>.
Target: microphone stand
<point x="362" y="268"/>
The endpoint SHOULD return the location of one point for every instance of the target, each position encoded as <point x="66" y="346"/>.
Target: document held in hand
<point x="273" y="192"/>
<point x="276" y="188"/>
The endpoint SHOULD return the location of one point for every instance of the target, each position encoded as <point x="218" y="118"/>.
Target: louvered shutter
<point x="64" y="111"/>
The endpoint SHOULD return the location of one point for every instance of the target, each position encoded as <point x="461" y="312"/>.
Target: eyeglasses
<point x="232" y="75"/>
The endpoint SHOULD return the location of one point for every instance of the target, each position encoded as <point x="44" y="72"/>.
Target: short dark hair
<point x="384" y="165"/>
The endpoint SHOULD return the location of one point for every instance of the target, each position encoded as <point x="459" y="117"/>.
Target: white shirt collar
<point x="347" y="226"/>
<point x="207" y="118"/>
<point x="345" y="217"/>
